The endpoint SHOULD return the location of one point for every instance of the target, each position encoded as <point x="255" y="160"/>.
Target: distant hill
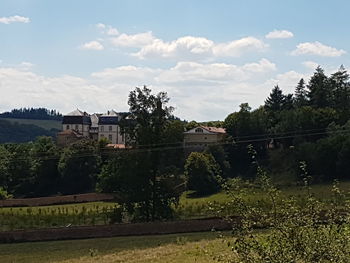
<point x="32" y="114"/>
<point x="45" y="124"/>
<point x="15" y="132"/>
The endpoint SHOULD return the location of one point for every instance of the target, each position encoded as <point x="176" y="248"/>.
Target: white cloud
<point x="182" y="47"/>
<point x="310" y="64"/>
<point x="199" y="91"/>
<point x="112" y="31"/>
<point x="317" y="48"/>
<point x="237" y="47"/>
<point x="137" y="40"/>
<point x="26" y="65"/>
<point x="92" y="45"/>
<point x="287" y="81"/>
<point x="279" y="34"/>
<point x="190" y="47"/>
<point x="14" y="19"/>
<point x="100" y="26"/>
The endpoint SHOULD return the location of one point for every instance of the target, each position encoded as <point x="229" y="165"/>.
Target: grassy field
<point x="97" y="213"/>
<point x="46" y="124"/>
<point x="191" y="247"/>
<point x="94" y="213"/>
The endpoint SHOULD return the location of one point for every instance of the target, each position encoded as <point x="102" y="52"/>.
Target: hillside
<point x="19" y="131"/>
<point x="45" y="124"/>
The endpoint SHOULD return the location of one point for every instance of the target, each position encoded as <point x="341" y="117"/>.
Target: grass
<point x="95" y="213"/>
<point x="190" y="247"/>
<point x="45" y="124"/>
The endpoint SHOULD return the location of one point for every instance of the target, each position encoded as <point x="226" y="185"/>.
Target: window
<point x="102" y="128"/>
<point x="110" y="128"/>
<point x="67" y="127"/>
<point x="110" y="137"/>
<point x="102" y="136"/>
<point x="198" y="130"/>
<point x="76" y="127"/>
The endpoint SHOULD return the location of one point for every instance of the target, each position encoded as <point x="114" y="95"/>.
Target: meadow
<point x="191" y="247"/>
<point x="99" y="213"/>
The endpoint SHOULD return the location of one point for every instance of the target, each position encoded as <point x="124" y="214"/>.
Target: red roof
<point x="214" y="129"/>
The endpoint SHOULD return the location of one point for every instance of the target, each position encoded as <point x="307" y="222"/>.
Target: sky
<point x="209" y="56"/>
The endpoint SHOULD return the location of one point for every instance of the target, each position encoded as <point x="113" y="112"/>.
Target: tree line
<point x="33" y="114"/>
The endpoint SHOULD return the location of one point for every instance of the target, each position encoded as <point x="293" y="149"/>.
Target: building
<point x="108" y="127"/>
<point x="202" y="136"/>
<point x="78" y="124"/>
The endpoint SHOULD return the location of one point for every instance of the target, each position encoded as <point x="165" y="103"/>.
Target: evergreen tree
<point x="276" y="100"/>
<point x="340" y="85"/>
<point x="320" y="94"/>
<point x="301" y="94"/>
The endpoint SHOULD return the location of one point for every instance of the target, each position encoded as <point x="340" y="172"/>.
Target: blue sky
<point x="209" y="56"/>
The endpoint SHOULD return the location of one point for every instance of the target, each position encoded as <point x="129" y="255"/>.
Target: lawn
<point x="190" y="247"/>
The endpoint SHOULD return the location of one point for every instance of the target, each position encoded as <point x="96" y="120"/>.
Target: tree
<point x="339" y="82"/>
<point x="320" y="93"/>
<point x="276" y="99"/>
<point x="45" y="155"/>
<point x="4" y="167"/>
<point x="202" y="173"/>
<point x="300" y="94"/>
<point x="78" y="167"/>
<point x="152" y="130"/>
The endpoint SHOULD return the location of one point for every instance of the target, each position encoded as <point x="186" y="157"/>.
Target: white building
<point x="95" y="126"/>
<point x="108" y="127"/>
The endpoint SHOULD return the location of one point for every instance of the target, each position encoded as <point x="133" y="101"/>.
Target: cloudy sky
<point x="209" y="56"/>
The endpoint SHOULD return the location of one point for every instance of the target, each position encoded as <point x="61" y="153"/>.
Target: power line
<point x="140" y="150"/>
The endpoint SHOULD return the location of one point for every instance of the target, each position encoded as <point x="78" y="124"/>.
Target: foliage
<point x="18" y="133"/>
<point x="143" y="179"/>
<point x="33" y="113"/>
<point x="308" y="232"/>
<point x="78" y="166"/>
<point x="202" y="173"/>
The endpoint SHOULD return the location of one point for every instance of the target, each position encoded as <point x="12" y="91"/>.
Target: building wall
<point x="111" y="133"/>
<point x="84" y="129"/>
<point x="201" y="138"/>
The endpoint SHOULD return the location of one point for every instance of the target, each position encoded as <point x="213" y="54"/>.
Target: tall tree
<point x="148" y="128"/>
<point x="275" y="101"/>
<point x="78" y="166"/>
<point x="320" y="92"/>
<point x="301" y="94"/>
<point x="340" y="86"/>
<point x="45" y="155"/>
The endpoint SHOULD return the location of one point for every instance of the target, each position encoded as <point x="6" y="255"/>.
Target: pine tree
<point x="339" y="82"/>
<point x="275" y="101"/>
<point x="320" y="91"/>
<point x="301" y="94"/>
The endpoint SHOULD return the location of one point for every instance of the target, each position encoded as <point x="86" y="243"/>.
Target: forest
<point x="33" y="114"/>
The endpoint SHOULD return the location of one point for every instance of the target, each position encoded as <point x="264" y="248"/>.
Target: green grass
<point x="46" y="124"/>
<point x="190" y="247"/>
<point x="95" y="213"/>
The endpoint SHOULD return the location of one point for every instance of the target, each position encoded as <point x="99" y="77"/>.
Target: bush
<point x="309" y="232"/>
<point x="202" y="173"/>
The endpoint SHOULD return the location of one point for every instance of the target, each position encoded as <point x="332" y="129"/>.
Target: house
<point x="79" y="124"/>
<point x="67" y="137"/>
<point x="202" y="136"/>
<point x="108" y="127"/>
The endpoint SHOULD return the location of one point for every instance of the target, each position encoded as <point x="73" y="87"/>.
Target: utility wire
<point x="140" y="150"/>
